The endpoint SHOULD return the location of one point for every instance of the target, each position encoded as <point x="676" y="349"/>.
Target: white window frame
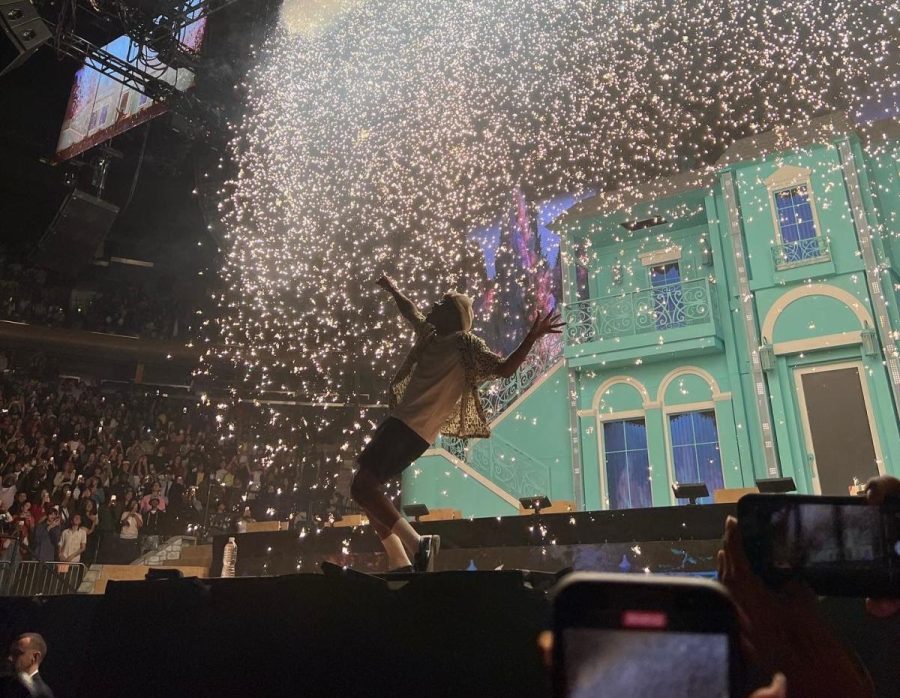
<point x="787" y="177"/>
<point x="660" y="257"/>
<point x="601" y="450"/>
<point x="704" y="406"/>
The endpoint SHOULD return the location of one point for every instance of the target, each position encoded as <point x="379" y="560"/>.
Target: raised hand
<point x="387" y="283"/>
<point x="551" y="323"/>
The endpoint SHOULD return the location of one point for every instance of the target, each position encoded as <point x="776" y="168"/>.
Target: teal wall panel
<point x="675" y="369"/>
<point x="438" y="483"/>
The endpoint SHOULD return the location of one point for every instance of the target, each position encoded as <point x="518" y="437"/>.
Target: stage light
<point x="869" y="340"/>
<point x="767" y="356"/>
<point x="690" y="490"/>
<point x="776" y="485"/>
<point x="417" y="511"/>
<point x="535" y="503"/>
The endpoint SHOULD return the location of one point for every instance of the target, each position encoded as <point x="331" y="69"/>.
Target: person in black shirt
<point x="25" y="656"/>
<point x="153" y="527"/>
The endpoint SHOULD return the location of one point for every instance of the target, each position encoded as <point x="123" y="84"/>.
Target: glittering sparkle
<point x="380" y="137"/>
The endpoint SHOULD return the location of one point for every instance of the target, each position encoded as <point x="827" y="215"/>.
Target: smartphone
<point x="639" y="635"/>
<point x="840" y="546"/>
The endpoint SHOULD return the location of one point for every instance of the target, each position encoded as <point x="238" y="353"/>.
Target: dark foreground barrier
<point x="444" y="634"/>
<point x="449" y="634"/>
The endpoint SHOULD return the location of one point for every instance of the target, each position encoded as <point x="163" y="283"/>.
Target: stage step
<point x="192" y="556"/>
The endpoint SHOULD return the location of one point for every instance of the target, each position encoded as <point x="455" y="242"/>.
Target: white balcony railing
<point x="647" y="310"/>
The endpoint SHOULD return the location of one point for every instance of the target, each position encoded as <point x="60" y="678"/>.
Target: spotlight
<point x="535" y="503"/>
<point x="690" y="490"/>
<point x="415" y="510"/>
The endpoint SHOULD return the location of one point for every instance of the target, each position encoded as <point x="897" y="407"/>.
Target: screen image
<point x="520" y="268"/>
<point x="825" y="534"/>
<point x="100" y="107"/>
<point x="611" y="662"/>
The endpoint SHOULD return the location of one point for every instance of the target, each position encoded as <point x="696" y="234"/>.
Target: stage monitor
<point x="100" y="107"/>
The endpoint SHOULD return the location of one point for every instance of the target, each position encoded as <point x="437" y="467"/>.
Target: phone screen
<point x="825" y="535"/>
<point x="840" y="545"/>
<point x="620" y="635"/>
<point x="616" y="662"/>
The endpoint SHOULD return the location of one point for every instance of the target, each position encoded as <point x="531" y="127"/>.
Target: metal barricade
<point x="6" y="570"/>
<point x="35" y="578"/>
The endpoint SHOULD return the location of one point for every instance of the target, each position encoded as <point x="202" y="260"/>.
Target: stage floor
<point x="671" y="540"/>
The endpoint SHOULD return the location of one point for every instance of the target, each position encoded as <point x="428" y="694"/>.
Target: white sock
<point x="396" y="554"/>
<point x="404" y="530"/>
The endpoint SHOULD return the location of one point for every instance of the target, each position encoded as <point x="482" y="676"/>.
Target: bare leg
<point x="368" y="492"/>
<point x="366" y="489"/>
<point x="382" y="530"/>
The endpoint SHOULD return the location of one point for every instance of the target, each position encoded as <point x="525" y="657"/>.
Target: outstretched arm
<point x="549" y="324"/>
<point x="406" y="307"/>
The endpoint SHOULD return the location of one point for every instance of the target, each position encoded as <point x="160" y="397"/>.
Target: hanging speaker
<point x="23" y="33"/>
<point x="74" y="237"/>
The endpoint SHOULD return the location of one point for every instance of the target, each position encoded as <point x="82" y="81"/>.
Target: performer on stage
<point x="435" y="391"/>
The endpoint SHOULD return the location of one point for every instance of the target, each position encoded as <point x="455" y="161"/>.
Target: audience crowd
<point x="29" y="294"/>
<point x="91" y="476"/>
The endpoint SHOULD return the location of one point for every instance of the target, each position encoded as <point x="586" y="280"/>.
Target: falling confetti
<point x="381" y="135"/>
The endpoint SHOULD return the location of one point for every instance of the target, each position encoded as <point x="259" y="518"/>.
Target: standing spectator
<point x="65" y="504"/>
<point x="46" y="537"/>
<point x="104" y="530"/>
<point x="155" y="493"/>
<point x="41" y="506"/>
<point x="124" y="503"/>
<point x="26" y="655"/>
<point x="8" y="493"/>
<point x="153" y="527"/>
<point x="19" y="503"/>
<point x="73" y="541"/>
<point x="131" y="521"/>
<point x="89" y="518"/>
<point x="24" y="523"/>
<point x="176" y="497"/>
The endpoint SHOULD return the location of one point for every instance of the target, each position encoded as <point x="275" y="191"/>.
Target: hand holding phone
<point x="786" y="631"/>
<point x="839" y="546"/>
<point x="630" y="635"/>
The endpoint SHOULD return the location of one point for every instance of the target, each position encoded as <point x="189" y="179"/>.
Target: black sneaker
<point x="427" y="553"/>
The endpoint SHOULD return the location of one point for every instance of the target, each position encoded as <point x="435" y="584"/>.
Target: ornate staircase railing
<point x="495" y="458"/>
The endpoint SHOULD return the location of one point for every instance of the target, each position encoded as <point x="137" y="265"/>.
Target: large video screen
<point x="100" y="107"/>
<point x="521" y="268"/>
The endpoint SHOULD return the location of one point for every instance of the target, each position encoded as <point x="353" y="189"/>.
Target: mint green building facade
<point x="722" y="327"/>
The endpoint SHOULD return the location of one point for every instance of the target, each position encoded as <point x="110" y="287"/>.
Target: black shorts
<point x="393" y="448"/>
